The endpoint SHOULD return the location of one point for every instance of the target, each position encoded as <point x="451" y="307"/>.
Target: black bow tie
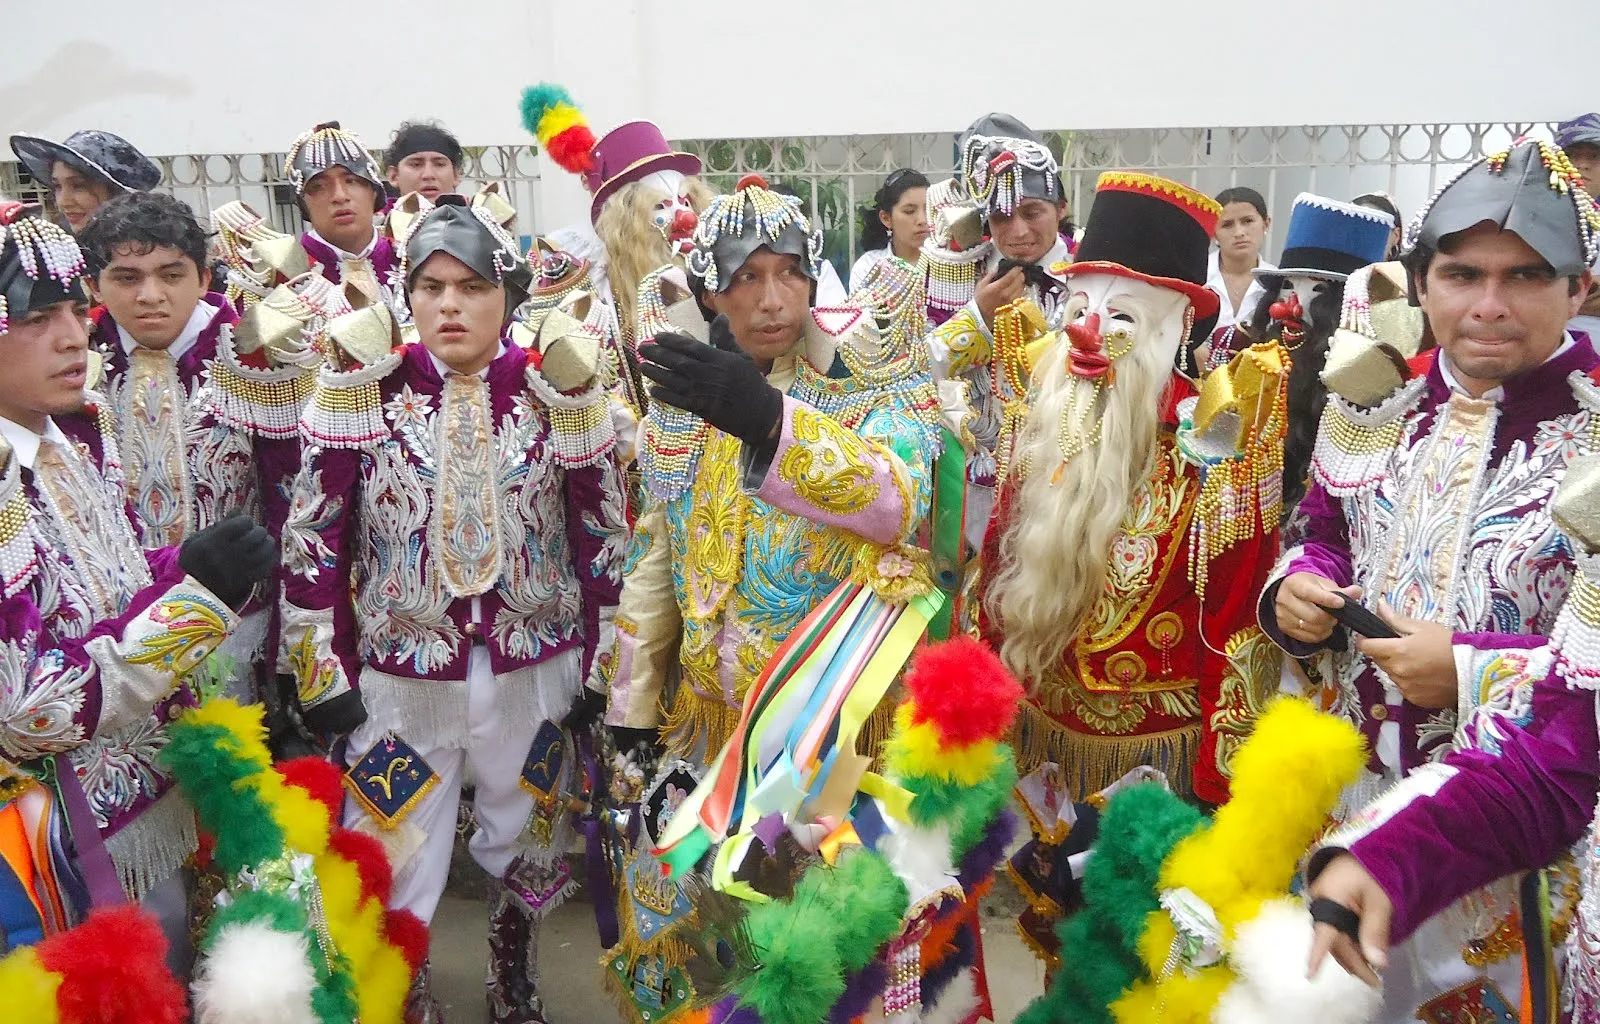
<point x="1031" y="272"/>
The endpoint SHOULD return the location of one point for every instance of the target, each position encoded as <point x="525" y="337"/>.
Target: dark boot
<point x="421" y="1007"/>
<point x="516" y="905"/>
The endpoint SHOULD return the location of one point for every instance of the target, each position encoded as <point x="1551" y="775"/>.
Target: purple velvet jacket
<point x="365" y="508"/>
<point x="228" y="466"/>
<point x="95" y="638"/>
<point x="385" y="266"/>
<point x="1439" y="504"/>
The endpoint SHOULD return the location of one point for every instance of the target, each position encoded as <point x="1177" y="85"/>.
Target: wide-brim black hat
<point x="108" y="157"/>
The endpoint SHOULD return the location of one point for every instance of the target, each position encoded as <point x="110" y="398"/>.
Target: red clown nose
<point x="683" y="223"/>
<point x="1287" y="309"/>
<point x="1086" y="358"/>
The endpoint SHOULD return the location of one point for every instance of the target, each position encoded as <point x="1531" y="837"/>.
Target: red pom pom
<point x="406" y="932"/>
<point x="113" y="970"/>
<point x="366" y="853"/>
<point x="964" y="690"/>
<point x="321" y="778"/>
<point x="204" y="851"/>
<point x="750" y="181"/>
<point x="573" y="149"/>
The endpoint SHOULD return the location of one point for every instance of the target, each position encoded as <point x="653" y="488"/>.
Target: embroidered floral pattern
<point x="39" y="704"/>
<point x="822" y="468"/>
<point x="118" y="769"/>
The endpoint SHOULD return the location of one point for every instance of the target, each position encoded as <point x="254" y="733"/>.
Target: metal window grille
<point x="838" y="175"/>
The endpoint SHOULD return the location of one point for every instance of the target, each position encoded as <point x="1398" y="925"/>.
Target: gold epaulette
<point x="257" y="256"/>
<point x="581" y="431"/>
<point x="1234" y="433"/>
<point x="19" y="555"/>
<point x="346" y="407"/>
<point x="1354" y="445"/>
<point x="265" y="401"/>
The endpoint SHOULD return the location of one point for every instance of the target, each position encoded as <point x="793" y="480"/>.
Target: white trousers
<point x="492" y="758"/>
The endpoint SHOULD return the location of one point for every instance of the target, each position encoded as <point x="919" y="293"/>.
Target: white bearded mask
<point x="673" y="215"/>
<point x="1106" y="314"/>
<point x="1293" y="303"/>
<point x="1090" y="443"/>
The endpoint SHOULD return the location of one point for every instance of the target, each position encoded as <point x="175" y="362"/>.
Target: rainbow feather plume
<point x="550" y="115"/>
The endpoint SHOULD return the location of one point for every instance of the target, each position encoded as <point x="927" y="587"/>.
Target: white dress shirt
<point x="1227" y="315"/>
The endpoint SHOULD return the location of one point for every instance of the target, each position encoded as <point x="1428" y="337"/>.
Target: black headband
<point x="424" y="139"/>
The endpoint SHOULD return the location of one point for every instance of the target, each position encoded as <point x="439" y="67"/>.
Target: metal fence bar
<point x="838" y="173"/>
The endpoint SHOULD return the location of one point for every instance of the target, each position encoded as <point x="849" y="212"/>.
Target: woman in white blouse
<point x="897" y="222"/>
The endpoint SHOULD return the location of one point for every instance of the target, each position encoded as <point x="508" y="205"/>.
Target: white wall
<point x="223" y="76"/>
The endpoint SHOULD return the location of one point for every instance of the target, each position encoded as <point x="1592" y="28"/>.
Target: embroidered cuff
<point x="306" y="652"/>
<point x="157" y="649"/>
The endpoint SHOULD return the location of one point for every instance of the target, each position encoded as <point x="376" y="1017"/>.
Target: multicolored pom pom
<point x="550" y="115"/>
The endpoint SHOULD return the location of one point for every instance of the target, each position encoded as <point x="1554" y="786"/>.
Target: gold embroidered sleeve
<point x="648" y="626"/>
<point x="960" y="343"/>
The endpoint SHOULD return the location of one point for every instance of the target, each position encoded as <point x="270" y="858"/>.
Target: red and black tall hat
<point x="1152" y="229"/>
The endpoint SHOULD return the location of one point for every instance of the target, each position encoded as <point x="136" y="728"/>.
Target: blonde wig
<point x="1068" y="512"/>
<point x="633" y="245"/>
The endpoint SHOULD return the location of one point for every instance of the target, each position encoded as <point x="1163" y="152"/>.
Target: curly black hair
<point x="144" y="222"/>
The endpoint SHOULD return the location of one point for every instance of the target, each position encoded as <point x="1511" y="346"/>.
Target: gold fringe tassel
<point x="695" y="728"/>
<point x="1090" y="763"/>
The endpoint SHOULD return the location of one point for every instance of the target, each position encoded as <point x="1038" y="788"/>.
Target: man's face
<point x="46" y="359"/>
<point x="1240" y="231"/>
<point x="766" y="304"/>
<point x="77" y="194"/>
<point x="1029" y="231"/>
<point x="152" y="295"/>
<point x="1585" y="156"/>
<point x="432" y="174"/>
<point x="457" y="313"/>
<point x="341" y="206"/>
<point x="1495" y="306"/>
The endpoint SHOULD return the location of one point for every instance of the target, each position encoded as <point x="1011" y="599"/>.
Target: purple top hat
<point x="628" y="153"/>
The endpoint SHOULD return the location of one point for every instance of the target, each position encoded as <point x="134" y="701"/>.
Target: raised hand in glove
<point x="724" y="388"/>
<point x="230" y="557"/>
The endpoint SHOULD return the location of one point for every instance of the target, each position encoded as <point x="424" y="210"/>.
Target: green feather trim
<point x="866" y="899"/>
<point x="537" y="99"/>
<point x="801" y="975"/>
<point x="1099" y="944"/>
<point x="202" y="761"/>
<point x="967" y="810"/>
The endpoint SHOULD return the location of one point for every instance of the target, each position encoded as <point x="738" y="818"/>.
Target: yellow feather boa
<point x="1286" y="779"/>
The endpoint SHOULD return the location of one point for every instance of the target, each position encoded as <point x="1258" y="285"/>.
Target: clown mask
<point x="1295" y="294"/>
<point x="1106" y="315"/>
<point x="673" y="216"/>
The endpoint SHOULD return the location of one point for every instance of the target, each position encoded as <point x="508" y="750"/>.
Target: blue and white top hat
<point x="1329" y="239"/>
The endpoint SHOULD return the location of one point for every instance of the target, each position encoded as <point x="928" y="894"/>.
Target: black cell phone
<point x="1358" y="620"/>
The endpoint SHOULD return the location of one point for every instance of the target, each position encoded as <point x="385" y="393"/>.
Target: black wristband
<point x="1326" y="911"/>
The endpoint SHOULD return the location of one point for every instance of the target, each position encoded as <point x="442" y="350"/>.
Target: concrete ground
<point x="569" y="957"/>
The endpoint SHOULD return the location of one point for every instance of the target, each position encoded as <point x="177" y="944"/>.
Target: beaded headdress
<point x="1531" y="189"/>
<point x="40" y="264"/>
<point x="328" y="145"/>
<point x="471" y="234"/>
<point x="753" y="216"/>
<point x="1003" y="162"/>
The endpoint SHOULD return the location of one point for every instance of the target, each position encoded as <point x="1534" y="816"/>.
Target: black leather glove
<point x="586" y="710"/>
<point x="340" y="716"/>
<point x="287" y="736"/>
<point x="724" y="388"/>
<point x="230" y="557"/>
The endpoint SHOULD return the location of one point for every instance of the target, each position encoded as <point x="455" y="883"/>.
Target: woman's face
<point x="908" y="221"/>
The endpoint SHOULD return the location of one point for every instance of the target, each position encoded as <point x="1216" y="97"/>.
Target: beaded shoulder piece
<point x="19" y="554"/>
<point x="105" y="424"/>
<point x="1354" y="445"/>
<point x="256" y="399"/>
<point x="256" y="255"/>
<point x="1587" y="391"/>
<point x="346" y="408"/>
<point x="581" y="431"/>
